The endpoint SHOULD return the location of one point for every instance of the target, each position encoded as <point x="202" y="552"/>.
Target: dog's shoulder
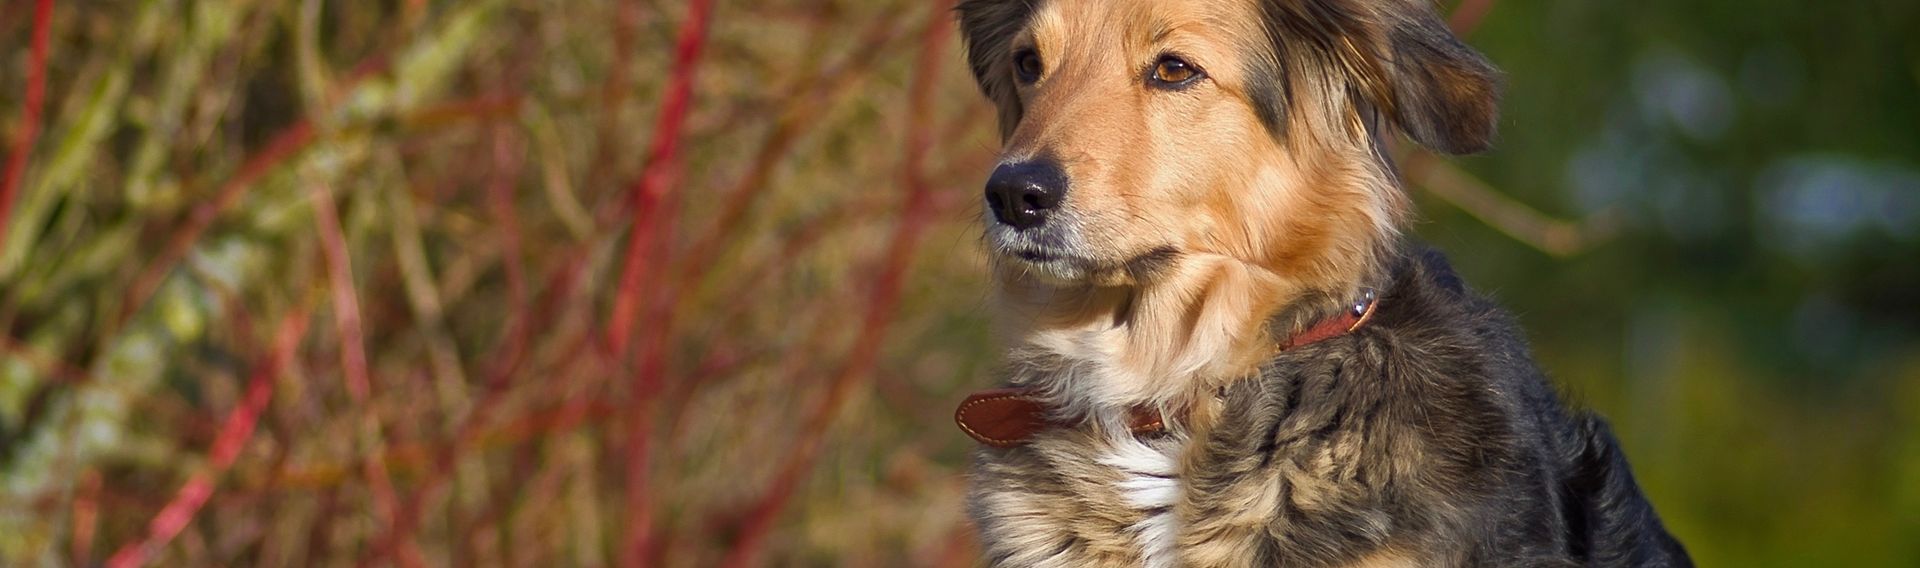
<point x="1387" y="438"/>
<point x="1432" y="414"/>
<point x="1449" y="332"/>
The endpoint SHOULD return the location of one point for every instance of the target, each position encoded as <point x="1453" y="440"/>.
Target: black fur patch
<point x="988" y="28"/>
<point x="1270" y="97"/>
<point x="1146" y="266"/>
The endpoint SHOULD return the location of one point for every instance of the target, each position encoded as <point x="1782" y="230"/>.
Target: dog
<point x="1222" y="350"/>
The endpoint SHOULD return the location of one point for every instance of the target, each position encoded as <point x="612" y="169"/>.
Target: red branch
<point x="502" y="366"/>
<point x="284" y="144"/>
<point x="227" y="444"/>
<point x="29" y="114"/>
<point x="346" y="304"/>
<point x="86" y="517"/>
<point x="799" y="115"/>
<point x="652" y="219"/>
<point x="914" y="218"/>
<point x="507" y="158"/>
<point x="657" y="175"/>
<point x="353" y="359"/>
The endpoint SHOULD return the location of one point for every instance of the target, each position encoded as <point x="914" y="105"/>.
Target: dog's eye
<point x="1173" y="71"/>
<point x="1026" y="65"/>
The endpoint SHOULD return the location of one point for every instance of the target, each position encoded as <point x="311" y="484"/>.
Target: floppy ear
<point x="988" y="28"/>
<point x="1445" y="95"/>
<point x="1396" y="56"/>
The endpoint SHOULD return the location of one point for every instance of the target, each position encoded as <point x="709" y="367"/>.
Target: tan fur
<point x="1387" y="559"/>
<point x="1259" y="222"/>
<point x="1073" y="518"/>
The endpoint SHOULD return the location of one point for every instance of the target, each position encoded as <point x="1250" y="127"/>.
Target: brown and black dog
<point x="1223" y="352"/>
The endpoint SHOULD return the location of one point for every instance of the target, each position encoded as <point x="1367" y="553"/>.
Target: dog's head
<point x="1144" y="134"/>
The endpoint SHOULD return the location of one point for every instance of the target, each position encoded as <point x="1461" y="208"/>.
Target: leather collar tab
<point x="1007" y="417"/>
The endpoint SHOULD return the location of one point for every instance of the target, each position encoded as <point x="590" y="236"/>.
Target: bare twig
<point x="626" y="21"/>
<point x="226" y="448"/>
<point x="506" y="362"/>
<point x="508" y="159"/>
<point x="86" y="517"/>
<point x="353" y="362"/>
<point x="346" y="303"/>
<point x="652" y="217"/>
<point x="799" y="114"/>
<point x="657" y="175"/>
<point x="30" y="113"/>
<point x="284" y="144"/>
<point x="1523" y="223"/>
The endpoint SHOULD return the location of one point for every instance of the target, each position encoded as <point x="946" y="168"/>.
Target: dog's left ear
<point x="1445" y="95"/>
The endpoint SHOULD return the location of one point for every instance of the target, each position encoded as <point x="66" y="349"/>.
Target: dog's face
<point x="1141" y="135"/>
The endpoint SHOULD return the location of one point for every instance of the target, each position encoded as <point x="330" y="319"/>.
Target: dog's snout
<point x="1023" y="194"/>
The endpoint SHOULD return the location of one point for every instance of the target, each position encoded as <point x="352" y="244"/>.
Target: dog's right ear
<point x="988" y="28"/>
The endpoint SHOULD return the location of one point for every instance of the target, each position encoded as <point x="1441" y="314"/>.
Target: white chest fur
<point x="1150" y="483"/>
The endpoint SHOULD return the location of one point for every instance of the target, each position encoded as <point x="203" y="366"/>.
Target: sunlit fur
<point x="1190" y="224"/>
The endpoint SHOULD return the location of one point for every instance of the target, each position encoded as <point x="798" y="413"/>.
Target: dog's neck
<point x="1191" y="330"/>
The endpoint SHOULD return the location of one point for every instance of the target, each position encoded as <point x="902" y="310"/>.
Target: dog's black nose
<point x="1023" y="194"/>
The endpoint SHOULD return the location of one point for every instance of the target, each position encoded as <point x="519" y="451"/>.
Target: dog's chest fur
<point x="1081" y="498"/>
<point x="1099" y="497"/>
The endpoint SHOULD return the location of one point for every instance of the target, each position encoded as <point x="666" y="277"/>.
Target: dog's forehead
<point x="1134" y="24"/>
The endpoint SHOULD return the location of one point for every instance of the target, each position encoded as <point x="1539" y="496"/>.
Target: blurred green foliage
<point x="1745" y="305"/>
<point x="1753" y="327"/>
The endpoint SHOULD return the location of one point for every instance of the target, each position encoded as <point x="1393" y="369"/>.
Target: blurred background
<point x="588" y="283"/>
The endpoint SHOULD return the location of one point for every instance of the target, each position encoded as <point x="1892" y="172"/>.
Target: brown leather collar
<point x="1007" y="417"/>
